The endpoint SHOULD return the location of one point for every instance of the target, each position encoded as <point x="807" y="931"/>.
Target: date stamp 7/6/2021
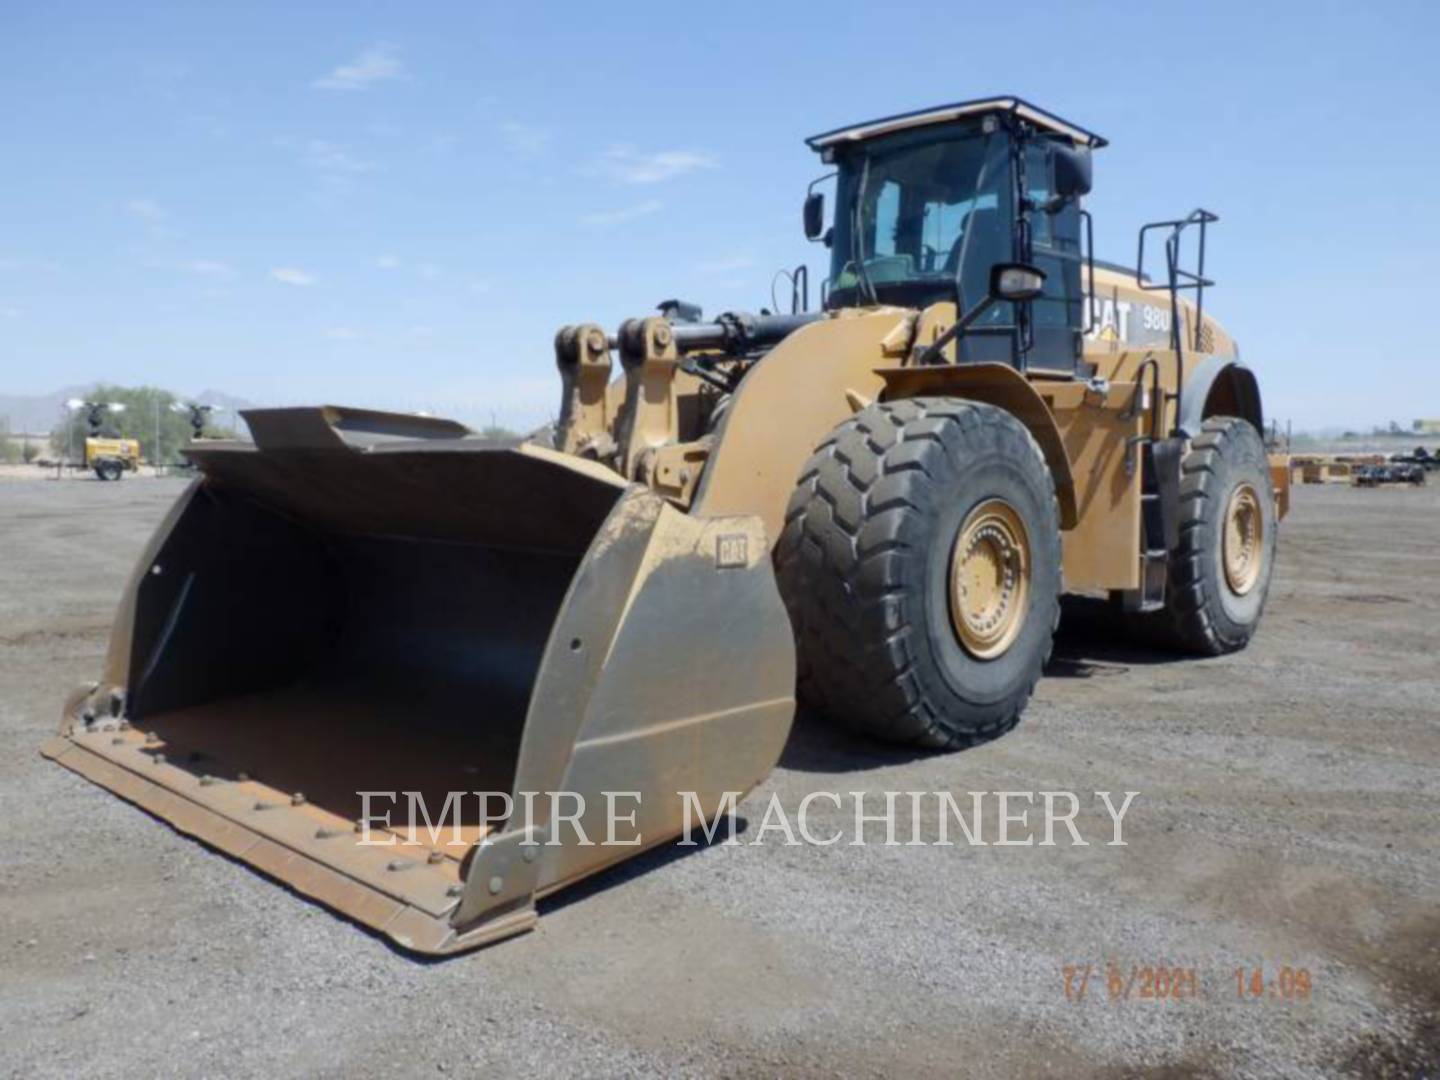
<point x="1115" y="981"/>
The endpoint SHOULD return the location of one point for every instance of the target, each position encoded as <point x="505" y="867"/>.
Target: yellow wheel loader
<point x="874" y="506"/>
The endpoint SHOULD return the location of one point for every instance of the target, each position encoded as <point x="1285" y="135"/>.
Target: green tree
<point x="10" y="452"/>
<point x="149" y="413"/>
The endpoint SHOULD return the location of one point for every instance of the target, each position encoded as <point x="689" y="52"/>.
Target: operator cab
<point x="928" y="202"/>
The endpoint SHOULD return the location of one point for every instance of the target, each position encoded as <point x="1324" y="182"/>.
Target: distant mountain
<point x="37" y="414"/>
<point x="41" y="413"/>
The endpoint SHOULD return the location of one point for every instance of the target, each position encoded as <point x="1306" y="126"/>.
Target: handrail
<point x="1178" y="279"/>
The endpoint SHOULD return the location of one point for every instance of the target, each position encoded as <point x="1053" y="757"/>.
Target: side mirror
<point x="1016" y="282"/>
<point x="1072" y="171"/>
<point x="814" y="215"/>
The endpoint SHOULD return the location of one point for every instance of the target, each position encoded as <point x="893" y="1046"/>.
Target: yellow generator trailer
<point x="111" y="458"/>
<point x="874" y="507"/>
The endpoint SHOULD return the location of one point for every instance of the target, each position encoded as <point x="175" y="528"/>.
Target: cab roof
<point x="942" y="114"/>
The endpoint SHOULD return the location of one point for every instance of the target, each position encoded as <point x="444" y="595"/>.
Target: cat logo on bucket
<point x="731" y="550"/>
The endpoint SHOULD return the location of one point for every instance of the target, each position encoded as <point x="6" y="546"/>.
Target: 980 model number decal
<point x="1119" y="320"/>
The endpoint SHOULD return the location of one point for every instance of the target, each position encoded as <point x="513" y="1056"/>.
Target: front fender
<point x="1000" y="385"/>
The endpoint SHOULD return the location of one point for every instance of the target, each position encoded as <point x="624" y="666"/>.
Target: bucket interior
<point x="354" y="624"/>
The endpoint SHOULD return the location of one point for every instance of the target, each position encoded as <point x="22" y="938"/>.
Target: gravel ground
<point x="1287" y="816"/>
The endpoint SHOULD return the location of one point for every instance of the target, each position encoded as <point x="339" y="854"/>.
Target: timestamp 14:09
<point x="1161" y="982"/>
<point x="1287" y="983"/>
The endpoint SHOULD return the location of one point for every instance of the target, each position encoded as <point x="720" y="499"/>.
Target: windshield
<point x="911" y="207"/>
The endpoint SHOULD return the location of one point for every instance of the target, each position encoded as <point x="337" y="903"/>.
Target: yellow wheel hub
<point x="1243" y="546"/>
<point x="990" y="579"/>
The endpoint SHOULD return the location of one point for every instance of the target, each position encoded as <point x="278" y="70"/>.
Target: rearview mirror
<point x="1072" y="171"/>
<point x="1016" y="282"/>
<point x="814" y="215"/>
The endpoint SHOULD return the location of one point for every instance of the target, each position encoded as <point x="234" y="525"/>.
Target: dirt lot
<point x="1287" y="816"/>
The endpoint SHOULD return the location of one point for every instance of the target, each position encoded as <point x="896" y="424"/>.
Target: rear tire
<point x="108" y="469"/>
<point x="1220" y="570"/>
<point x="902" y="631"/>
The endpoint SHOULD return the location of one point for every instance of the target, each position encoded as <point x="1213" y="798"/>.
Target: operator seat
<point x="990" y="243"/>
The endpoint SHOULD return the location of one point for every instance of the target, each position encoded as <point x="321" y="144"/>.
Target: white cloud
<point x="723" y="266"/>
<point x="376" y="64"/>
<point x="209" y="268"/>
<point x="146" y="209"/>
<point x="327" y="157"/>
<point x="7" y="312"/>
<point x="428" y="270"/>
<point x="628" y="166"/>
<point x="342" y="333"/>
<point x="628" y="213"/>
<point x="289" y="275"/>
<point x="524" y="140"/>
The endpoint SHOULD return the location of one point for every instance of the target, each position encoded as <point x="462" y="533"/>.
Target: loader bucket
<point x="364" y="603"/>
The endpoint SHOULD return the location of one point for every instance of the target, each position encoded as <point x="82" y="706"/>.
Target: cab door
<point x="1056" y="318"/>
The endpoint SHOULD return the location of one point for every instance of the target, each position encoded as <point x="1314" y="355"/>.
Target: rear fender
<point x="1220" y="386"/>
<point x="1223" y="386"/>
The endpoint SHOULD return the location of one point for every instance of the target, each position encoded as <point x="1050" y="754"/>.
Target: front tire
<point x="920" y="563"/>
<point x="109" y="469"/>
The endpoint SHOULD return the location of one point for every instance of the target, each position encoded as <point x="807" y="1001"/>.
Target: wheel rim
<point x="1243" y="548"/>
<point x="990" y="579"/>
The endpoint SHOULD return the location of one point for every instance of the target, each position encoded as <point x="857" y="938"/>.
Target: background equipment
<point x="109" y="455"/>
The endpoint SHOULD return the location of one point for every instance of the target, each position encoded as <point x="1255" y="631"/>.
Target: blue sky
<point x="397" y="205"/>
